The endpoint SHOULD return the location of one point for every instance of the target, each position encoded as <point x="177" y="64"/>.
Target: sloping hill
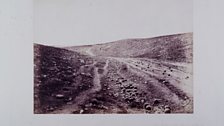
<point x="176" y="48"/>
<point x="57" y="78"/>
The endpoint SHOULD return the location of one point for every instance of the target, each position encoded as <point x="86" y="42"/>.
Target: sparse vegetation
<point x="128" y="76"/>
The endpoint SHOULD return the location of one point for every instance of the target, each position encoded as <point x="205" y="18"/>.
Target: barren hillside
<point x="177" y="48"/>
<point x="152" y="75"/>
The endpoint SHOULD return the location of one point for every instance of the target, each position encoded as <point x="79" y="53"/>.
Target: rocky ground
<point x="86" y="80"/>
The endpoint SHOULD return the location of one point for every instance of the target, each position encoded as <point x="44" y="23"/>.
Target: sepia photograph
<point x="111" y="62"/>
<point x="113" y="57"/>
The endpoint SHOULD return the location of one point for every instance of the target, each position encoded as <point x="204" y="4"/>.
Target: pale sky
<point x="82" y="22"/>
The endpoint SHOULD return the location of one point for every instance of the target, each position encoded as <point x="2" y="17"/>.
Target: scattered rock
<point x="50" y="109"/>
<point x="156" y="101"/>
<point x="124" y="80"/>
<point x="148" y="107"/>
<point x="69" y="103"/>
<point x="167" y="107"/>
<point x="142" y="100"/>
<point x="68" y="99"/>
<point x="163" y="81"/>
<point x="81" y="111"/>
<point x="82" y="61"/>
<point x="120" y="81"/>
<point x="59" y="96"/>
<point x="38" y="85"/>
<point x="116" y="95"/>
<point x="167" y="110"/>
<point x="104" y="107"/>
